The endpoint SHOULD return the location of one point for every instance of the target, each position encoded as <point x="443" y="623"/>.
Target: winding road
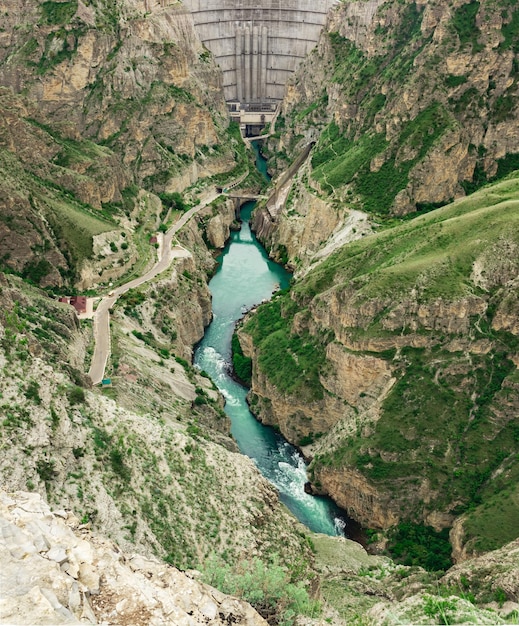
<point x="102" y="315"/>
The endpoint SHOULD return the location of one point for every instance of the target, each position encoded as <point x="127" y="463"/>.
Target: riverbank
<point x="245" y="277"/>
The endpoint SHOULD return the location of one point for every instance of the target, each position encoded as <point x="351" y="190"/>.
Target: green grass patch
<point x="437" y="248"/>
<point x="455" y="81"/>
<point x="496" y="522"/>
<point x="241" y="363"/>
<point x="416" y="544"/>
<point x="293" y="362"/>
<point x="58" y="13"/>
<point x="74" y="226"/>
<point x="510" y="31"/>
<point x="60" y="45"/>
<point x="379" y="188"/>
<point x="464" y="24"/>
<point x="337" y="163"/>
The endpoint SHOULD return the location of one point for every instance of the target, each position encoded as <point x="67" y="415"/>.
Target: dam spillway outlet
<point x="258" y="44"/>
<point x="252" y="117"/>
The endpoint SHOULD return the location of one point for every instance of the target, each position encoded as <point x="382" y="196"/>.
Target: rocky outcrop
<point x="360" y="499"/>
<point x="297" y="223"/>
<point x="55" y="570"/>
<point x="399" y="348"/>
<point x="410" y="105"/>
<point x="94" y="103"/>
<point x="339" y="309"/>
<point x="494" y="571"/>
<point x="217" y="220"/>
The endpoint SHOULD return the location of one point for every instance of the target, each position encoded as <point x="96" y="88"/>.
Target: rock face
<point x="393" y="363"/>
<point x="410" y="104"/>
<point x="96" y="103"/>
<point x="55" y="571"/>
<point x="216" y="221"/>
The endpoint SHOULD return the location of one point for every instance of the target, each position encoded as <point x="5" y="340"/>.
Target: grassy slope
<point x="443" y="243"/>
<point x="73" y="222"/>
<point x="450" y="416"/>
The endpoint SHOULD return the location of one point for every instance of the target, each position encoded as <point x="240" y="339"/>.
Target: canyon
<point x="392" y="316"/>
<point x="391" y="361"/>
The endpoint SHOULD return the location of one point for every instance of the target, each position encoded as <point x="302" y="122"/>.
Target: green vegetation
<point x="46" y="470"/>
<point x="118" y="465"/>
<point x="505" y="166"/>
<point x="32" y="392"/>
<point x="379" y="188"/>
<point x="292" y="361"/>
<point x="73" y="152"/>
<point x="504" y="108"/>
<point x="269" y="587"/>
<point x="173" y="200"/>
<point x="241" y="363"/>
<point x="510" y="30"/>
<point x="74" y="227"/>
<point x="339" y="161"/>
<point x="34" y="271"/>
<point x="76" y="395"/>
<point x="60" y="45"/>
<point x="465" y="26"/>
<point x="415" y="544"/>
<point x="107" y="16"/>
<point x="130" y="301"/>
<point x="455" y="81"/>
<point x="500" y="502"/>
<point x="58" y="13"/>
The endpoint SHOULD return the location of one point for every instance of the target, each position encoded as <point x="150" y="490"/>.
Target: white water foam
<point x="340" y="526"/>
<point x="217" y="361"/>
<point x="229" y="398"/>
<point x="291" y="480"/>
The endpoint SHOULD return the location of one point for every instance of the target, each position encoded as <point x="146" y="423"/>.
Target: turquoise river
<point x="245" y="277"/>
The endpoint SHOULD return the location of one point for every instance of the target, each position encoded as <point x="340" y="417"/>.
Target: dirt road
<point x="102" y="314"/>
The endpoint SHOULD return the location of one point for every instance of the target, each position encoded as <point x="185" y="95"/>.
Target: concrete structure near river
<point x="258" y="44"/>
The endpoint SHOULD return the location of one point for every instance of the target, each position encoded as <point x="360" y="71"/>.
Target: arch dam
<point x="258" y="44"/>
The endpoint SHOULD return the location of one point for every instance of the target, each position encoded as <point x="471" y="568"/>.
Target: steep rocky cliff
<point x="97" y="102"/>
<point x="393" y="363"/>
<point x="412" y="104"/>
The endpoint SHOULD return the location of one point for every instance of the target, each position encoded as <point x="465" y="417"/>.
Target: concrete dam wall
<point x="258" y="43"/>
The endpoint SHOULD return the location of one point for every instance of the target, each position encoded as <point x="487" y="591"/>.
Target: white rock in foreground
<point x="52" y="572"/>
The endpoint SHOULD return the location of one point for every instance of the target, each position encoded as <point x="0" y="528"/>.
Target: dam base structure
<point x="258" y="44"/>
